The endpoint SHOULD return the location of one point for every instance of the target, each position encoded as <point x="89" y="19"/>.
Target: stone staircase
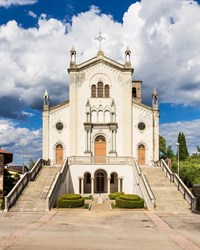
<point x="168" y="198"/>
<point x="33" y="199"/>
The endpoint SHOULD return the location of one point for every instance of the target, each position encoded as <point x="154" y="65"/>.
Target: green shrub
<point x="88" y="197"/>
<point x="71" y="196"/>
<point x="115" y="195"/>
<point x="70" y="201"/>
<point x="129" y="201"/>
<point x="131" y="197"/>
<point x="86" y="206"/>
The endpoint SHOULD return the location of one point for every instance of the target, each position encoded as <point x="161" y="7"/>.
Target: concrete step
<point x="34" y="196"/>
<point x="168" y="198"/>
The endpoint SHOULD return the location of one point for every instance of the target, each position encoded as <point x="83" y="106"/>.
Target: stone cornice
<point x="100" y="59"/>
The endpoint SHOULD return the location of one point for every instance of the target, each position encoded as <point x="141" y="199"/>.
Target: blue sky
<point x="37" y="35"/>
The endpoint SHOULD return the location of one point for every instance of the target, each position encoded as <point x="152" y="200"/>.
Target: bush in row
<point x="129" y="201"/>
<point x="115" y="195"/>
<point x="70" y="201"/>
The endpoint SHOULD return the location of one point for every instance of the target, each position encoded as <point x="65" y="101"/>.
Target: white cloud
<point x="163" y="35"/>
<point x="190" y="129"/>
<point x="32" y="14"/>
<point x="7" y="3"/>
<point x="25" y="144"/>
<point x="165" y="54"/>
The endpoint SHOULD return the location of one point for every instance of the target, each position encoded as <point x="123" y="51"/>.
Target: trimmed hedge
<point x="131" y="197"/>
<point x="129" y="201"/>
<point x="71" y="196"/>
<point x="115" y="195"/>
<point x="70" y="201"/>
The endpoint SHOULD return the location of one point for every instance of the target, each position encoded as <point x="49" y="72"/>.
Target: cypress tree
<point x="183" y="151"/>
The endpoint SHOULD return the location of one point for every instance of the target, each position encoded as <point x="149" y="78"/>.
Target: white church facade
<point x="103" y="122"/>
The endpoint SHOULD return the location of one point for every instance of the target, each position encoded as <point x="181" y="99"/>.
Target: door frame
<point x="100" y="139"/>
<point x="143" y="148"/>
<point x="55" y="152"/>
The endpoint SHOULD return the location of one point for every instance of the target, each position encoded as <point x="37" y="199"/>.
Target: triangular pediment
<point x="100" y="58"/>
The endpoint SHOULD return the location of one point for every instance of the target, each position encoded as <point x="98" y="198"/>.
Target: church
<point x="102" y="127"/>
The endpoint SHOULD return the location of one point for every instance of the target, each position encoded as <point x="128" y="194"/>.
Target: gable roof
<point x="100" y="58"/>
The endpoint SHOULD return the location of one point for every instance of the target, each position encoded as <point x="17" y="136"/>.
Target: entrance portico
<point x="100" y="182"/>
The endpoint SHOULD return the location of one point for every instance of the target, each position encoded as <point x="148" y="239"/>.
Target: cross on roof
<point x="100" y="38"/>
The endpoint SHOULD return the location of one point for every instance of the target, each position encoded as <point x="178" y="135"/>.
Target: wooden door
<point x="141" y="154"/>
<point x="59" y="154"/>
<point x="100" y="149"/>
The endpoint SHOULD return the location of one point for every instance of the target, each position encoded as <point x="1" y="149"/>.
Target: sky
<point x="37" y="35"/>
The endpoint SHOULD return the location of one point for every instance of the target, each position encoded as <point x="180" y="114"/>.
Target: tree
<point x="31" y="164"/>
<point x="183" y="151"/>
<point x="162" y="147"/>
<point x="170" y="153"/>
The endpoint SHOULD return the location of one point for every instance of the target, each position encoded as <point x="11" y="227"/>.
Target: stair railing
<point x="167" y="170"/>
<point x="145" y="188"/>
<point x="188" y="196"/>
<point x="17" y="190"/>
<point x="56" y="184"/>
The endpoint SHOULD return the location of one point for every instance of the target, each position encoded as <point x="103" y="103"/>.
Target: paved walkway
<point x="101" y="203"/>
<point x="83" y="229"/>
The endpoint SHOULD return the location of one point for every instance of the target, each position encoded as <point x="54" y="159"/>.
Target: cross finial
<point x="100" y="38"/>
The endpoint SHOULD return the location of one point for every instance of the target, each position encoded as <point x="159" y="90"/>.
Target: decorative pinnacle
<point x="46" y="94"/>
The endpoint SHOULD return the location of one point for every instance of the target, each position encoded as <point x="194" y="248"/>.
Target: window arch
<point x="100" y="89"/>
<point x="100" y="138"/>
<point x="107" y="90"/>
<point x="59" y="146"/>
<point x="112" y="179"/>
<point x="88" y="178"/>
<point x="134" y="92"/>
<point x="93" y="90"/>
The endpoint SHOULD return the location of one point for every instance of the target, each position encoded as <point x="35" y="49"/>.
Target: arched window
<point x="107" y="90"/>
<point x="100" y="138"/>
<point x="100" y="89"/>
<point x="141" y="146"/>
<point x="134" y="92"/>
<point x="59" y="146"/>
<point x="93" y="90"/>
<point x="112" y="179"/>
<point x="88" y="178"/>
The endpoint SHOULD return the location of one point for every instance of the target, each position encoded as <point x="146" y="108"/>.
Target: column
<point x="82" y="185"/>
<point x="86" y="140"/>
<point x="108" y="185"/>
<point x="89" y="140"/>
<point x="114" y="140"/>
<point x="118" y="189"/>
<point x="92" y="185"/>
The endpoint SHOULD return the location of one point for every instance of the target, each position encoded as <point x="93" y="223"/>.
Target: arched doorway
<point x="100" y="149"/>
<point x="59" y="154"/>
<point x="114" y="182"/>
<point x="141" y="154"/>
<point x="87" y="183"/>
<point x="101" y="181"/>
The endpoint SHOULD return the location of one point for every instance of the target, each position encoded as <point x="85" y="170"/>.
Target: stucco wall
<point x="71" y="184"/>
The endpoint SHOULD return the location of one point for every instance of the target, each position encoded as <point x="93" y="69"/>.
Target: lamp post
<point x="177" y="144"/>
